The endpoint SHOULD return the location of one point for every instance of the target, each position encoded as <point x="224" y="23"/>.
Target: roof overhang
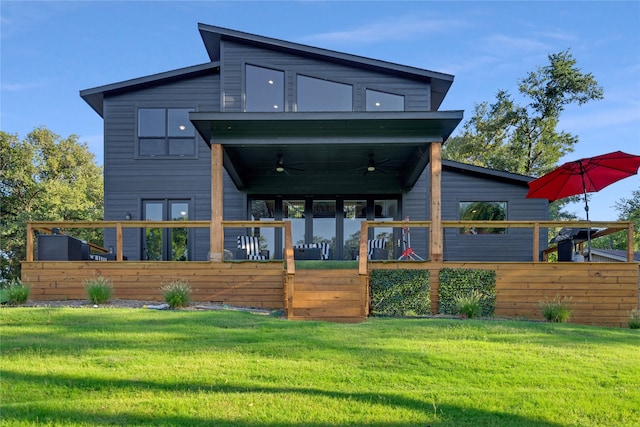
<point x="328" y="153"/>
<point x="95" y="96"/>
<point x="213" y="36"/>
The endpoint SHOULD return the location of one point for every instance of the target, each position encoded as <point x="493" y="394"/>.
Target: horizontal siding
<point x="235" y="55"/>
<point x="129" y="180"/>
<point x="516" y="245"/>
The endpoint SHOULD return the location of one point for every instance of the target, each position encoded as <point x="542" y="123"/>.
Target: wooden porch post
<point x="216" y="244"/>
<point x="435" y="231"/>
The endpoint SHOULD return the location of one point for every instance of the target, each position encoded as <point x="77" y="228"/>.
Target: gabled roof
<point x="212" y="37"/>
<point x="95" y="96"/>
<point x="487" y="172"/>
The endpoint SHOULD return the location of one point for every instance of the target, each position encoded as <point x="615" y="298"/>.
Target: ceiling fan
<point x="282" y="167"/>
<point x="373" y="166"/>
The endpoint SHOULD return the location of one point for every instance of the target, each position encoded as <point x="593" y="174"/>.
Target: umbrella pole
<point x="586" y="209"/>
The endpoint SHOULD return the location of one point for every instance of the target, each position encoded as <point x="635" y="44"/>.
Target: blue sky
<point x="52" y="50"/>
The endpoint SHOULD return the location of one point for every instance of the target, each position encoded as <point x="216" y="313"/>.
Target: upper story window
<point x="382" y="101"/>
<point x="483" y="211"/>
<point x="264" y="89"/>
<point x="323" y="95"/>
<point x="165" y="132"/>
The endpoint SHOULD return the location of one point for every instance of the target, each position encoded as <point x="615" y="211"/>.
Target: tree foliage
<point x="44" y="178"/>
<point x="628" y="210"/>
<point x="524" y="139"/>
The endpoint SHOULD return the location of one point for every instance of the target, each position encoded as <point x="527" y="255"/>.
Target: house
<point x="275" y="151"/>
<point x="612" y="255"/>
<point x="320" y="138"/>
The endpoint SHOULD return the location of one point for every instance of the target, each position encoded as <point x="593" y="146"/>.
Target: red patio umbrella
<point x="584" y="176"/>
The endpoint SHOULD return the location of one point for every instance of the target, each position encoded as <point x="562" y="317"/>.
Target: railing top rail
<point x="48" y="225"/>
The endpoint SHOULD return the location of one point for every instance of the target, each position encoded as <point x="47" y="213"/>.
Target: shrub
<point x="468" y="305"/>
<point x="556" y="310"/>
<point x="462" y="281"/>
<point x="17" y="292"/>
<point x="400" y="292"/>
<point x="634" y="319"/>
<point x="99" y="289"/>
<point x="176" y="293"/>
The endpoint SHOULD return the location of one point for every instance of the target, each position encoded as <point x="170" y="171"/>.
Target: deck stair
<point x="331" y="295"/>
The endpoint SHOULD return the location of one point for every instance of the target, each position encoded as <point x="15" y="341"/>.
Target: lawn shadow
<point x="442" y="415"/>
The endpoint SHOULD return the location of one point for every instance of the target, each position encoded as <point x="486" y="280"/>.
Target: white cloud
<point x="16" y="87"/>
<point x="391" y="29"/>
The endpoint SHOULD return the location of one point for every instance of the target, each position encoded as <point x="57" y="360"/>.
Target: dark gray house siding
<point x="218" y="87"/>
<point x="516" y="244"/>
<point x="236" y="55"/>
<point x="129" y="179"/>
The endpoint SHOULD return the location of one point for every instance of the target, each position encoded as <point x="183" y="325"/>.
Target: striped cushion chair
<point x="376" y="249"/>
<point x="324" y="248"/>
<point x="251" y="245"/>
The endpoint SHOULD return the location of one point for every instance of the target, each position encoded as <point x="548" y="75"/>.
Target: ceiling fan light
<point x="371" y="168"/>
<point x="279" y="169"/>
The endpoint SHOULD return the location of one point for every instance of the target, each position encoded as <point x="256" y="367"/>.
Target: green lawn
<point x="107" y="366"/>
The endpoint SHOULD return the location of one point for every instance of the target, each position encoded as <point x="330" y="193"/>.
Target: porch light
<point x="127" y="216"/>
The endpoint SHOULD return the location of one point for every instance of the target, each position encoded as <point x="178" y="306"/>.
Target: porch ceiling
<point x="332" y="150"/>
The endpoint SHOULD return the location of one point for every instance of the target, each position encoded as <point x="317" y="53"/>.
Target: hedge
<point x="461" y="281"/>
<point x="400" y="292"/>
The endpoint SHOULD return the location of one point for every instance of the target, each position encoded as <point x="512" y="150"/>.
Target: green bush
<point x="400" y="292"/>
<point x="176" y="293"/>
<point x="556" y="310"/>
<point x="468" y="305"/>
<point x="16" y="293"/>
<point x="98" y="289"/>
<point x="462" y="281"/>
<point x="634" y="319"/>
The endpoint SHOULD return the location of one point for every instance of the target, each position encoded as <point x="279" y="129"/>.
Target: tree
<point x="524" y="139"/>
<point x="44" y="178"/>
<point x="628" y="210"/>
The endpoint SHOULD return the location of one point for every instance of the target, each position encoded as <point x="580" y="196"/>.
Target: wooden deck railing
<point x="608" y="227"/>
<point x="48" y="226"/>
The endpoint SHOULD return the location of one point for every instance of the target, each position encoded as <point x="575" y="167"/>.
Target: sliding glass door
<point x="332" y="222"/>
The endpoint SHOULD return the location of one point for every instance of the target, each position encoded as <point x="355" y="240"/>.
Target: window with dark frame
<point x="165" y="132"/>
<point x="383" y="101"/>
<point x="483" y="211"/>
<point x="316" y="95"/>
<point x="264" y="90"/>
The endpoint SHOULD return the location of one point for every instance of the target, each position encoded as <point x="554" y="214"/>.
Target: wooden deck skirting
<point x="601" y="293"/>
<point x="248" y="284"/>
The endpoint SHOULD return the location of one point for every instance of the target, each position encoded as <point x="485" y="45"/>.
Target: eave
<point x="332" y="148"/>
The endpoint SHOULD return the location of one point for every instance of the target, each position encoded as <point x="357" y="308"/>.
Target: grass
<point x="84" y="366"/>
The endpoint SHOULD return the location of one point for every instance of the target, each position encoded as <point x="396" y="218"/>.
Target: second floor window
<point x="264" y="90"/>
<point x="323" y="95"/>
<point x="165" y="132"/>
<point x="382" y="101"/>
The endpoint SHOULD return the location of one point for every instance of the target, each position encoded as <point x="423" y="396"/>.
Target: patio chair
<point x="325" y="251"/>
<point x="249" y="248"/>
<point x="377" y="249"/>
